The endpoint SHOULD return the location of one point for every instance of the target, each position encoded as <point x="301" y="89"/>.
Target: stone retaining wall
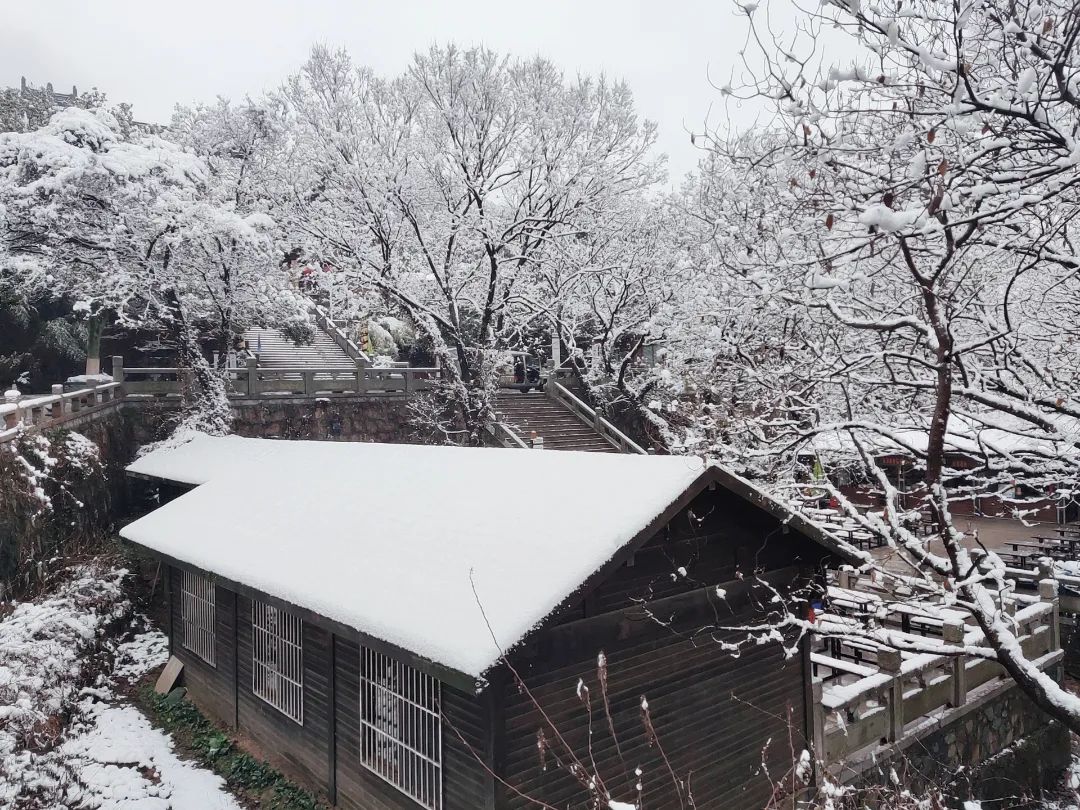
<point x="352" y="419"/>
<point x="999" y="748"/>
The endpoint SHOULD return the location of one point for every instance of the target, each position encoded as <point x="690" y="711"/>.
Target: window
<point x="401" y="731"/>
<point x="197" y="614"/>
<point x="277" y="659"/>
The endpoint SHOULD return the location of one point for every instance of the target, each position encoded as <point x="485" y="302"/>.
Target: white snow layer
<point x="110" y="757"/>
<point x="414" y="545"/>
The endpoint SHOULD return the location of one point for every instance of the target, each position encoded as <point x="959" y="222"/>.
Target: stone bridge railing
<point x="84" y="400"/>
<point x="891" y="694"/>
<point x="253" y="381"/>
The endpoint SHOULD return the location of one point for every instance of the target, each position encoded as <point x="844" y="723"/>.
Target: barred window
<point x="197" y="614"/>
<point x="401" y="730"/>
<point x="277" y="659"/>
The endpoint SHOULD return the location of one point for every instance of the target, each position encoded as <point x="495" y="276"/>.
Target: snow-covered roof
<point x="993" y="434"/>
<point x="414" y="545"/>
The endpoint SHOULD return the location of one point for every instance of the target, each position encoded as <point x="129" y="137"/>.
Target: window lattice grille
<point x="197" y="614"/>
<point x="401" y="730"/>
<point x="277" y="659"/>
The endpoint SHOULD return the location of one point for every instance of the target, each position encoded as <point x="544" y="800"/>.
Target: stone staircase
<point x="536" y="412"/>
<point x="277" y="351"/>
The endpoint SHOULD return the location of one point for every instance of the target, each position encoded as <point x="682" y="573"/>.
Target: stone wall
<point x="998" y="748"/>
<point x="355" y="419"/>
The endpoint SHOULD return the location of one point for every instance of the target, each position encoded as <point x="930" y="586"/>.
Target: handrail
<point x="323" y="320"/>
<point x="907" y="686"/>
<point x="507" y="437"/>
<point x="597" y="422"/>
<point x="40" y="411"/>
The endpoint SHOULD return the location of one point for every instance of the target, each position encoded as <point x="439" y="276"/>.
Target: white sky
<point x="155" y="54"/>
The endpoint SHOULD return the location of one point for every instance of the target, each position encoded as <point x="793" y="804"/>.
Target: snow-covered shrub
<point x="54" y="502"/>
<point x="47" y="650"/>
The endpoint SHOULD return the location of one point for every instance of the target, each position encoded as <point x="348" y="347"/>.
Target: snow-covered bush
<point x="54" y="502"/>
<point x="46" y="654"/>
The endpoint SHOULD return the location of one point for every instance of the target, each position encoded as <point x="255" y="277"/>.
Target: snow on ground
<point x="109" y="757"/>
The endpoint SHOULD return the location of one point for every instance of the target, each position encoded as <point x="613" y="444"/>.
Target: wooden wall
<point x="717" y="715"/>
<point x="323" y="753"/>
<point x="300" y="750"/>
<point x="466" y="781"/>
<point x="714" y="713"/>
<point x="212" y="688"/>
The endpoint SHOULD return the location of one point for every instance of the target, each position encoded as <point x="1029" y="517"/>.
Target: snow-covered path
<point x="109" y="756"/>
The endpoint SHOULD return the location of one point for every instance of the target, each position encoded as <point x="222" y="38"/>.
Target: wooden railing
<point x="562" y="394"/>
<point x="895" y="689"/>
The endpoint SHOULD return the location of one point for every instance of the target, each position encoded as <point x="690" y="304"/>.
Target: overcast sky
<point x="155" y="54"/>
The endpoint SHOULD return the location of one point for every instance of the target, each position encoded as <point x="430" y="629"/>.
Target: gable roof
<point x="451" y="553"/>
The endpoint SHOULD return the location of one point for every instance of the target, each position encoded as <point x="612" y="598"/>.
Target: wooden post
<point x="252" y="376"/>
<point x="953" y="635"/>
<point x="889" y="662"/>
<point x="1048" y="592"/>
<point x="845" y="578"/>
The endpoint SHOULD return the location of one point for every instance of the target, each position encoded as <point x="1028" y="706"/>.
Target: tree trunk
<point x="93" y="345"/>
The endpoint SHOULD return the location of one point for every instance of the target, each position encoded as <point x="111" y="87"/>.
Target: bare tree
<point x="446" y="192"/>
<point x="918" y="208"/>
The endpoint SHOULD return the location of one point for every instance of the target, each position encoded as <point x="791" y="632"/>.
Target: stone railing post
<point x="889" y="662"/>
<point x="118" y="375"/>
<point x="309" y="383"/>
<point x="252" y="376"/>
<point x="953" y="634"/>
<point x="14" y="416"/>
<point x="57" y="409"/>
<point x="1048" y="592"/>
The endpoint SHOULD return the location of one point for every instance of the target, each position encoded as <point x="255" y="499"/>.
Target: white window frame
<point x="198" y="614"/>
<point x="401" y="727"/>
<point x="277" y="659"/>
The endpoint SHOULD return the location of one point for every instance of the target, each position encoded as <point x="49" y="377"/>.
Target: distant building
<point x="61" y="99"/>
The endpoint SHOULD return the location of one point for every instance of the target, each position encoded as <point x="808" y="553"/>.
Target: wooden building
<point x="459" y="629"/>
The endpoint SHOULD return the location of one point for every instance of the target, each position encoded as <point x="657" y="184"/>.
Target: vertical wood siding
<point x="465" y="786"/>
<point x="714" y="716"/>
<point x="211" y="687"/>
<point x="301" y="751"/>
